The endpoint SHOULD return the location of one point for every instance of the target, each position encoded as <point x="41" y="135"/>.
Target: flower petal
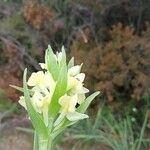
<point x="72" y="82"/>
<point x="68" y="103"/>
<point x="84" y="90"/>
<point x="74" y="70"/>
<point x="36" y="78"/>
<point x="80" y="77"/>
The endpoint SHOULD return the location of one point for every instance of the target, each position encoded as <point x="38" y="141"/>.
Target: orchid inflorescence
<point x="55" y="98"/>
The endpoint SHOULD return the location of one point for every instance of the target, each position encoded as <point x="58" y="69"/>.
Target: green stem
<point x="35" y="144"/>
<point x="50" y="145"/>
<point x="43" y="145"/>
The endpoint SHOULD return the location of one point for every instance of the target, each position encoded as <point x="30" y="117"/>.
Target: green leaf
<point x="61" y="127"/>
<point x="25" y="130"/>
<point x="75" y="116"/>
<point x="59" y="119"/>
<point x="60" y="75"/>
<point x="36" y="141"/>
<point x="51" y="62"/>
<point x="20" y="88"/>
<point x="142" y="132"/>
<point x="83" y="107"/>
<point x="17" y="88"/>
<point x="35" y="117"/>
<point x="60" y="90"/>
<point x="63" y="60"/>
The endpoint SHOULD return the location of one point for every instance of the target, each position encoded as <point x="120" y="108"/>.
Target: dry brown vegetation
<point x="10" y="67"/>
<point x="116" y="60"/>
<point x="120" y="67"/>
<point x="36" y="14"/>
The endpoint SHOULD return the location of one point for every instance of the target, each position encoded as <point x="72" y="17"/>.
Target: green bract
<point x="51" y="97"/>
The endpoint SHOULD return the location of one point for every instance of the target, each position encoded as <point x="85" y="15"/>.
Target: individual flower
<point x="68" y="109"/>
<point x="41" y="79"/>
<point x="75" y="83"/>
<point x="68" y="103"/>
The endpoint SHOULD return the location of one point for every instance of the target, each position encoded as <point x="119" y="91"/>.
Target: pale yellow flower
<point x="75" y="83"/>
<point x="36" y="79"/>
<point x="41" y="104"/>
<point x="65" y="96"/>
<point x="37" y="99"/>
<point x="68" y="109"/>
<point x="42" y="82"/>
<point x="68" y="103"/>
<point x="41" y="79"/>
<point x="43" y="87"/>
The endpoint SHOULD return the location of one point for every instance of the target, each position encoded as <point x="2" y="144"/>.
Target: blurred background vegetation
<point x="111" y="38"/>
